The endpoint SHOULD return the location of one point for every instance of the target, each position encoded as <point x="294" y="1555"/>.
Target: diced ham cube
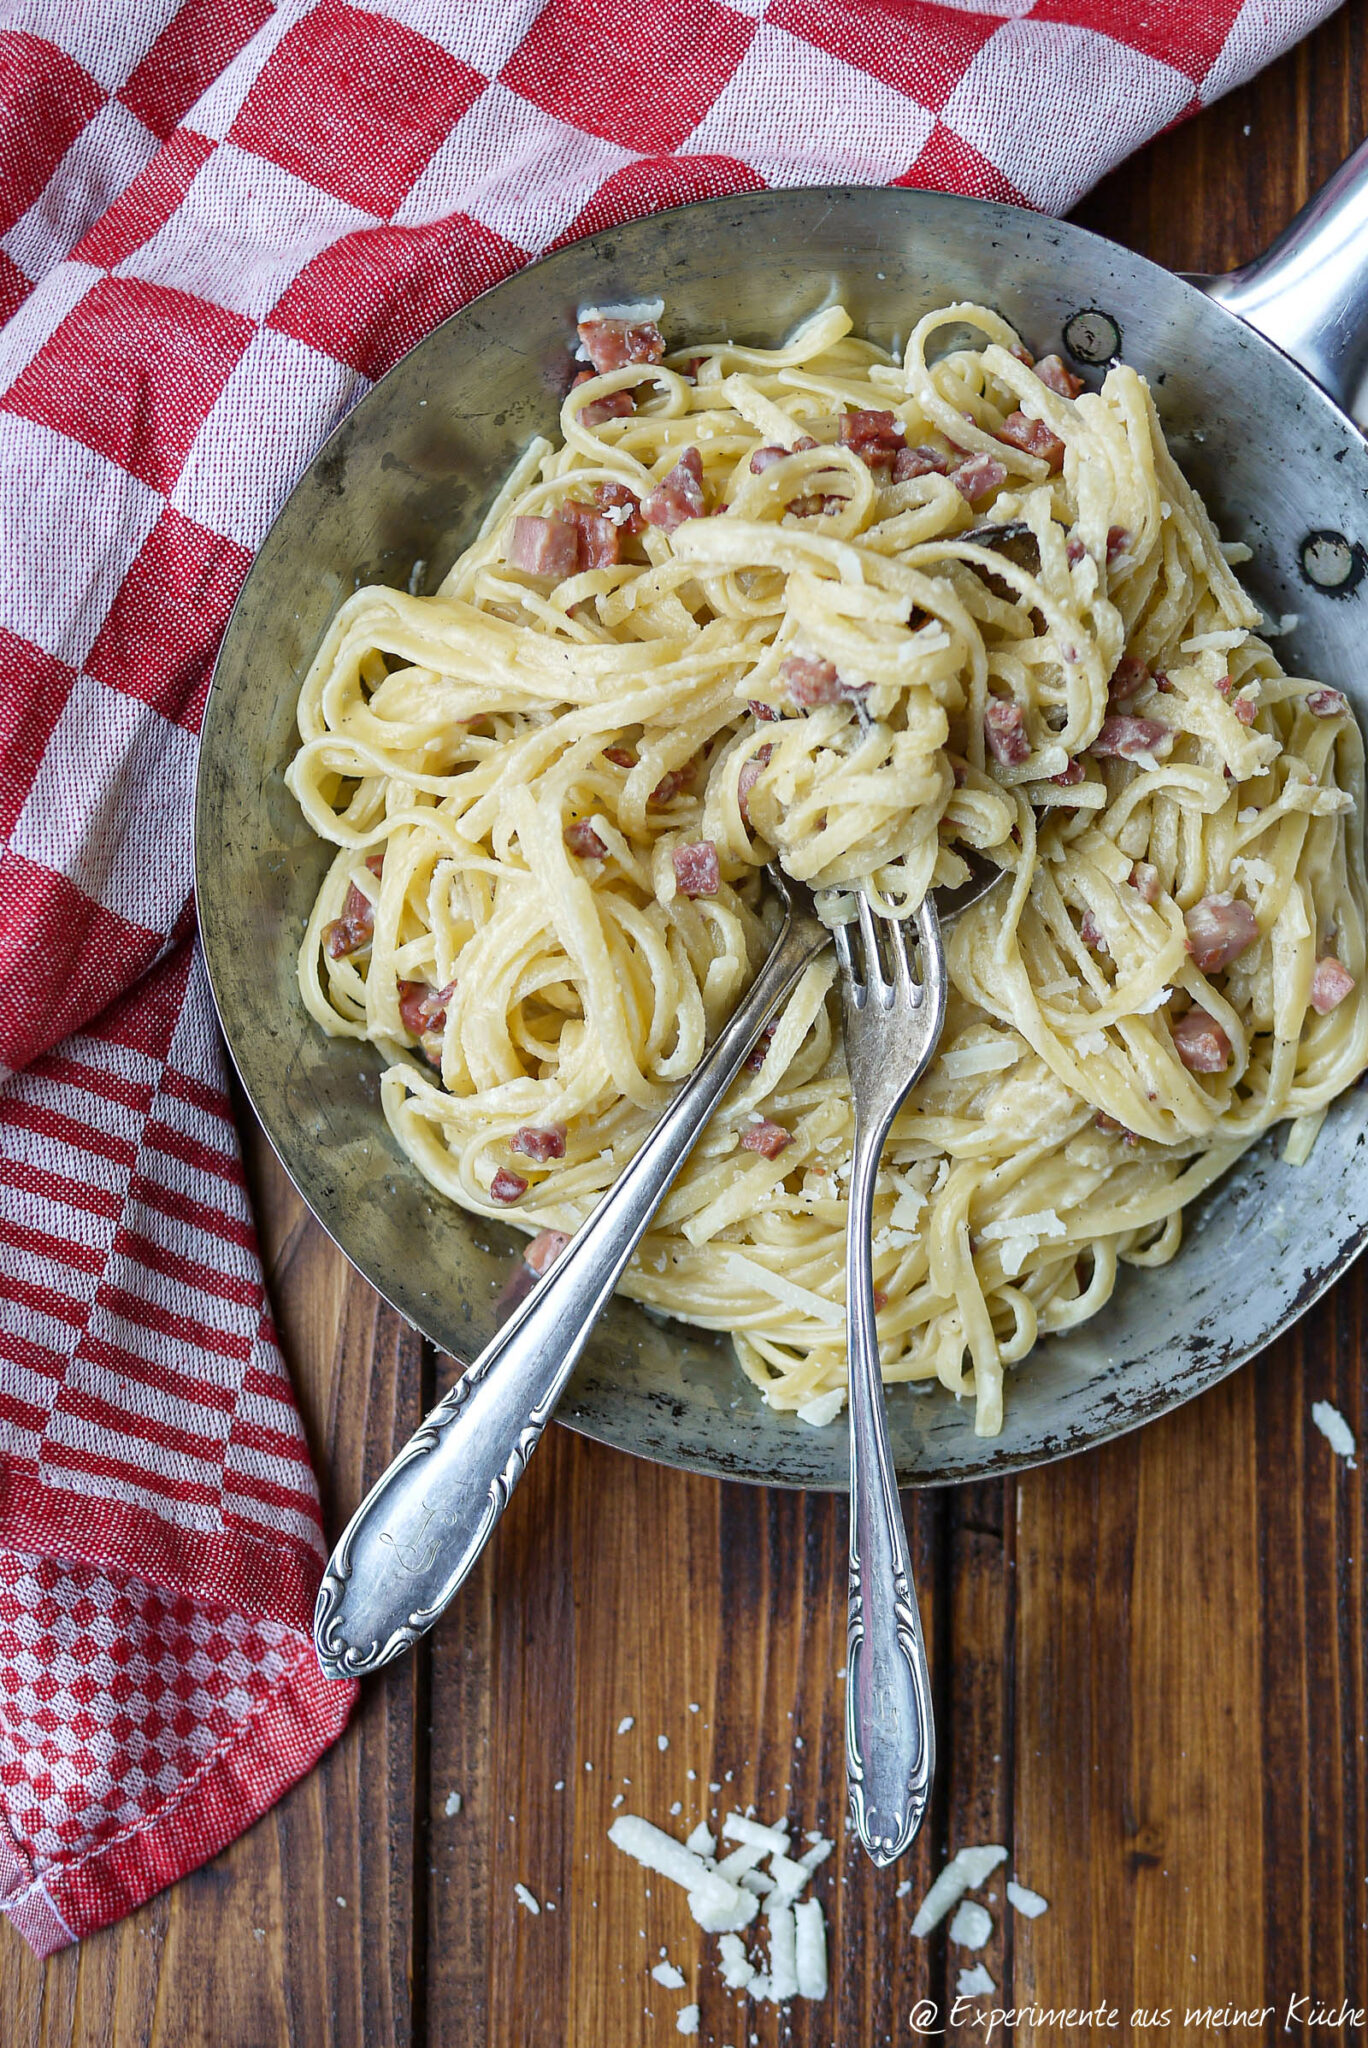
<point x="1070" y="777"/>
<point x="614" y="497"/>
<point x="507" y="1187"/>
<point x="1144" y="879"/>
<point x="354" y="929"/>
<point x="977" y="476"/>
<point x="1245" y="709"/>
<point x="696" y="869"/>
<point x="751" y="771"/>
<point x="1118" y="541"/>
<point x="678" y="496"/>
<point x="581" y="838"/>
<point x="423" y="1008"/>
<point x="614" y="405"/>
<point x="600" y="539"/>
<point x="810" y="680"/>
<point x="1330" y="984"/>
<point x="1219" y="929"/>
<point x="764" y="712"/>
<point x="1201" y="1044"/>
<point x="1034" y="438"/>
<point x="919" y="461"/>
<point x="539" y="1141"/>
<point x="1090" y="932"/>
<point x="1129" y="678"/>
<point x="1074" y="550"/>
<point x="612" y="344"/>
<point x="545" y="1248"/>
<point x="1053" y="374"/>
<point x="1004" y="728"/>
<point x="1326" y="703"/>
<point x="1127" y="739"/>
<point x="765" y="458"/>
<point x="621" y="757"/>
<point x="766" y="1138"/>
<point x="376" y="862"/>
<point x="543" y="547"/>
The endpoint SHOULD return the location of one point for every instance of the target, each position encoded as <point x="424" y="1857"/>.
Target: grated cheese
<point x="627" y="1722"/>
<point x="770" y="1841"/>
<point x="990" y="1058"/>
<point x="975" y="1982"/>
<point x="964" y="1872"/>
<point x="670" y="1975"/>
<point x="653" y="1848"/>
<point x="1336" y="1432"/>
<point x="822" y="1408"/>
<point x="521" y="1892"/>
<point x="1026" y="1901"/>
<point x="972" y="1925"/>
<point x="810" y="1956"/>
<point x="783" y="1954"/>
<point x="686" y="2020"/>
<point x="736" y="1966"/>
<point x="701" y="1841"/>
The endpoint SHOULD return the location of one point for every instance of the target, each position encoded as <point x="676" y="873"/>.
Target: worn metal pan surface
<point x="400" y="486"/>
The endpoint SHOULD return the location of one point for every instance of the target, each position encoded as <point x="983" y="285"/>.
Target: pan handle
<point x="1308" y="293"/>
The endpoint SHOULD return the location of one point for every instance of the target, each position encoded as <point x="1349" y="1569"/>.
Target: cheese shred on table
<point x="861" y="616"/>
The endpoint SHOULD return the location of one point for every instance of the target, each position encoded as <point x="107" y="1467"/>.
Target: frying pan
<point x="1258" y="377"/>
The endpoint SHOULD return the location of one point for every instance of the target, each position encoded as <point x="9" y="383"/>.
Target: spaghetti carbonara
<point x="856" y="614"/>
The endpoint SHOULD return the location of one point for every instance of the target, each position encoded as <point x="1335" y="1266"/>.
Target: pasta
<point x="860" y="615"/>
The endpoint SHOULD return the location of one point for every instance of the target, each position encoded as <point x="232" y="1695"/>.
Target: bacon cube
<point x="1090" y="931"/>
<point x="507" y="1187"/>
<point x="1070" y="777"/>
<point x="423" y="1008"/>
<point x="766" y="457"/>
<point x="1200" y="1043"/>
<point x="581" y="838"/>
<point x="696" y="869"/>
<point x="1004" y="728"/>
<point x="615" y="497"/>
<point x="810" y="680"/>
<point x="543" y="547"/>
<point x="1220" y="929"/>
<point x="545" y="1248"/>
<point x="354" y="929"/>
<point x="600" y="539"/>
<point x="755" y="1058"/>
<point x="919" y="461"/>
<point x="766" y="1138"/>
<point x="539" y="1141"/>
<point x="764" y="712"/>
<point x="1129" y="678"/>
<point x="1326" y="703"/>
<point x="977" y="477"/>
<point x="612" y="344"/>
<point x="751" y="770"/>
<point x="1128" y="739"/>
<point x="1033" y="437"/>
<point x="1053" y="374"/>
<point x="1118" y="542"/>
<point x="1330" y="984"/>
<point x="876" y="437"/>
<point x="614" y="405"/>
<point x="678" y="496"/>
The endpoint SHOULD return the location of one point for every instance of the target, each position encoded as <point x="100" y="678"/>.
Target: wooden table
<point x="1149" y="1661"/>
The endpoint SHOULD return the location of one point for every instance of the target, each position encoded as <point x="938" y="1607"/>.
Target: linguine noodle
<point x="1000" y="620"/>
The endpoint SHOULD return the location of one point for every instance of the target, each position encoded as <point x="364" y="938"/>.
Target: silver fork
<point x="891" y="1023"/>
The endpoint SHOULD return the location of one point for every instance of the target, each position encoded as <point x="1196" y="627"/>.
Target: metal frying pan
<point x="400" y="485"/>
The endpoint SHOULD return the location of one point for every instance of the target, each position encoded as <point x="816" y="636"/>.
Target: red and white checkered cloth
<point x="219" y="221"/>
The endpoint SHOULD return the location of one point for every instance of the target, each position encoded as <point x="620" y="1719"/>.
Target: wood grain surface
<point x="1149" y="1662"/>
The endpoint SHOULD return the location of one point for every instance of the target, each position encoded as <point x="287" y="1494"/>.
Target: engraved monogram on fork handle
<point x="418" y="1532"/>
<point x="891" y="1027"/>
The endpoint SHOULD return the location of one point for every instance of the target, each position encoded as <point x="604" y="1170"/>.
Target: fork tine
<point x="903" y="979"/>
<point x="841" y="936"/>
<point x="875" y="974"/>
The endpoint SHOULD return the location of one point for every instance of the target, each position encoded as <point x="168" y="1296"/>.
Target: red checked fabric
<point x="219" y="222"/>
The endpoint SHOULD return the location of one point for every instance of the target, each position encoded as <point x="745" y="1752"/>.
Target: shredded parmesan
<point x="521" y="1892"/>
<point x="670" y="1975"/>
<point x="810" y="1948"/>
<point x="975" y="1983"/>
<point x="822" y="1408"/>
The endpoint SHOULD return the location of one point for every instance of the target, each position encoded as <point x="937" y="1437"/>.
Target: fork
<point x="891" y="1025"/>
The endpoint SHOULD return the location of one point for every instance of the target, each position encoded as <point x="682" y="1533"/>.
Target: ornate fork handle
<point x="416" y="1535"/>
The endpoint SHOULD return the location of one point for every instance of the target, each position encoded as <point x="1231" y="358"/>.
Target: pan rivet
<point x="1331" y="563"/>
<point x="1092" y="336"/>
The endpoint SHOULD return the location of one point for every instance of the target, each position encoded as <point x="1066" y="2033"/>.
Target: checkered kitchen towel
<point x="220" y="221"/>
